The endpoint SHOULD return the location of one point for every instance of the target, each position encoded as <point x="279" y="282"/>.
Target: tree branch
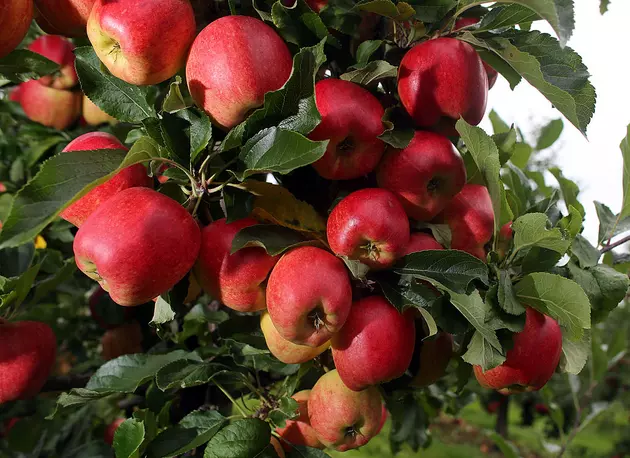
<point x="611" y="246"/>
<point x="66" y="382"/>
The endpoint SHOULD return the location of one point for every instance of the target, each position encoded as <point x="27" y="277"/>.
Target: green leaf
<point x="299" y="24"/>
<point x="22" y="65"/>
<point x="174" y="100"/>
<point x="480" y="352"/>
<point x="432" y="10"/>
<point x="625" y="152"/>
<point x="574" y="353"/>
<point x="404" y="294"/>
<point x="506" y="297"/>
<point x="62" y="180"/>
<point x="603" y="6"/>
<point x="274" y="239"/>
<point x="451" y="269"/>
<point x="585" y="253"/>
<point x="162" y="313"/>
<point x="125" y="102"/>
<point x="507" y="448"/>
<point x="243" y="438"/>
<point x="549" y="134"/>
<point x="499" y="126"/>
<point x="475" y="310"/>
<point x="366" y="49"/>
<point x="287" y="409"/>
<point x="371" y="73"/>
<point x="194" y="430"/>
<point x="521" y="154"/>
<point x="560" y="298"/>
<point x="569" y="189"/>
<point x="15" y="290"/>
<point x="199" y="132"/>
<point x="189" y="373"/>
<point x="279" y="150"/>
<point x="532" y="230"/>
<point x="128" y="438"/>
<point x="506" y="16"/>
<point x="441" y="232"/>
<point x="609" y="226"/>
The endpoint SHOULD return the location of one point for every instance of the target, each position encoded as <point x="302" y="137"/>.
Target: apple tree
<point x="263" y="229"/>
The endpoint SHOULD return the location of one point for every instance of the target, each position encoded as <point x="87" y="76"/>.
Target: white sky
<point x="595" y="164"/>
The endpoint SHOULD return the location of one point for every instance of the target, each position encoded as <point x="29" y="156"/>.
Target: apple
<point x="369" y="226"/>
<point x="238" y="279"/>
<point x="375" y="345"/>
<point x="94" y="116"/>
<point x="137" y="245"/>
<point x="108" y="436"/>
<point x="299" y="431"/>
<point x="384" y="416"/>
<point x="441" y="80"/>
<point x="505" y="239"/>
<point x="420" y="241"/>
<point x="105" y="312"/>
<point x="470" y="217"/>
<point x="63" y="17"/>
<point x="351" y="120"/>
<point x="284" y="350"/>
<point x="490" y="72"/>
<point x="433" y="355"/>
<point x="344" y="419"/>
<point x="15" y="19"/>
<point x="123" y="340"/>
<point x="27" y="356"/>
<point x="308" y="296"/>
<point x="424" y="176"/>
<point x="531" y="361"/>
<point x="59" y="50"/>
<point x="51" y="107"/>
<point x="275" y="443"/>
<point x="15" y="93"/>
<point x="233" y="62"/>
<point x="142" y="43"/>
<point x="130" y="177"/>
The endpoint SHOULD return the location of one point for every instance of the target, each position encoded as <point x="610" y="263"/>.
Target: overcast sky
<point x="595" y="164"/>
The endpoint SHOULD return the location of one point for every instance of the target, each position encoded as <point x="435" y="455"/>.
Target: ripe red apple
<point x="309" y="296"/>
<point x="424" y="176"/>
<point x="27" y="356"/>
<point x="470" y="217"/>
<point x="15" y="19"/>
<point x="531" y="361"/>
<point x="137" y="245"/>
<point x="51" y="107"/>
<point x="491" y="72"/>
<point x="505" y="239"/>
<point x="63" y="17"/>
<point x="420" y="241"/>
<point x="433" y="355"/>
<point x="370" y="226"/>
<point x="441" y="80"/>
<point x="344" y="419"/>
<point x="299" y="431"/>
<point x="130" y="177"/>
<point x="60" y="51"/>
<point x="351" y="120"/>
<point x="284" y="350"/>
<point x="123" y="340"/>
<point x="94" y="116"/>
<point x="108" y="436"/>
<point x="142" y="42"/>
<point x="15" y="93"/>
<point x="384" y="416"/>
<point x="375" y="344"/>
<point x="233" y="62"/>
<point x="237" y="280"/>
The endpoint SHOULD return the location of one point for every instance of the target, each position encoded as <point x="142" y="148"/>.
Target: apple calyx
<point x="346" y="146"/>
<point x="352" y="431"/>
<point x="370" y="250"/>
<point x="92" y="271"/>
<point x="434" y="184"/>
<point x="316" y="319"/>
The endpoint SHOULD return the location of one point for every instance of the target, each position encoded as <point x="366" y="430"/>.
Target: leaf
<point x="608" y="225"/>
<point x="371" y="73"/>
<point x="507" y="448"/>
<point x="549" y="134"/>
<point x="625" y="152"/>
<point x="238" y="203"/>
<point x="276" y="205"/>
<point x="279" y="150"/>
<point x="287" y="409"/>
<point x="560" y="298"/>
<point x="128" y="438"/>
<point x="603" y="6"/>
<point x="521" y="154"/>
<point x="432" y="10"/>
<point x="532" y="230"/>
<point x="200" y="131"/>
<point x="243" y="438"/>
<point x="574" y="353"/>
<point x="499" y="126"/>
<point x="62" y="180"/>
<point x="451" y="269"/>
<point x="403" y="294"/>
<point x="569" y="189"/>
<point x="357" y="269"/>
<point x="22" y="65"/>
<point x="481" y="353"/>
<point x="15" y="290"/>
<point x="274" y="239"/>
<point x="506" y="297"/>
<point x="174" y="100"/>
<point x="299" y="24"/>
<point x="194" y="430"/>
<point x="475" y="310"/>
<point x="189" y="373"/>
<point x="366" y="50"/>
<point x="585" y="253"/>
<point x="441" y="232"/>
<point x="506" y="16"/>
<point x="123" y="101"/>
<point x="162" y="312"/>
<point x="399" y="12"/>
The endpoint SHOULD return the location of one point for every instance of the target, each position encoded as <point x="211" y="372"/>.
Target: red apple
<point x="15" y="19"/>
<point x="491" y="72"/>
<point x="344" y="419"/>
<point x="137" y="245"/>
<point x="309" y="296"/>
<point x="470" y="217"/>
<point x="15" y="93"/>
<point x="105" y="312"/>
<point x="142" y="42"/>
<point x="123" y="340"/>
<point x="63" y="17"/>
<point x="351" y="120"/>
<point x="317" y="5"/>
<point x="237" y="280"/>
<point x="531" y="361"/>
<point x="51" y="107"/>
<point x="130" y="177"/>
<point x="370" y="226"/>
<point x="94" y="116"/>
<point x="60" y="51"/>
<point x="233" y="62"/>
<point x="433" y="354"/>
<point x="441" y="80"/>
<point x="284" y="350"/>
<point x="505" y="239"/>
<point x="27" y="356"/>
<point x="375" y="344"/>
<point x="384" y="416"/>
<point x="424" y="176"/>
<point x="108" y="436"/>
<point x="299" y="431"/>
<point x="420" y="241"/>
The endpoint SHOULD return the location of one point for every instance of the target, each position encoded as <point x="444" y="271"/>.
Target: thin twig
<point x="229" y="396"/>
<point x="611" y="246"/>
